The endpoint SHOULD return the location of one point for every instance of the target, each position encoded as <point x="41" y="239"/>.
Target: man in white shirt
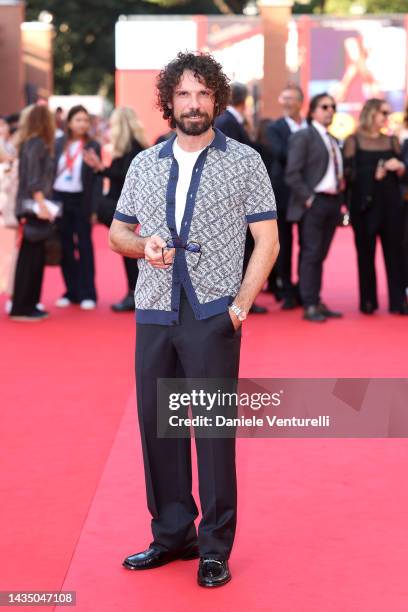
<point x="314" y="174"/>
<point x="278" y="134"/>
<point x="194" y="196"/>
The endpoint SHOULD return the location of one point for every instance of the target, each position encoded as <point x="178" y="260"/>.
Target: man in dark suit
<point x="314" y="173"/>
<point x="231" y="123"/>
<point x="278" y="134"/>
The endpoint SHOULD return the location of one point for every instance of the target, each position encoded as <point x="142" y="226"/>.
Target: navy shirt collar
<point x="219" y="142"/>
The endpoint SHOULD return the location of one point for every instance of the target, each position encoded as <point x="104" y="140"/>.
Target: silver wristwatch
<point x="241" y="314"/>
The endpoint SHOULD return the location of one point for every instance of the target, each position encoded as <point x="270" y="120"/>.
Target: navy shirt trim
<point x="219" y="142"/>
<point x="125" y="218"/>
<point x="201" y="311"/>
<point x="263" y="216"/>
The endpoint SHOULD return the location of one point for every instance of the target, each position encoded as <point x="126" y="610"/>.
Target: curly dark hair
<point x="205" y="69"/>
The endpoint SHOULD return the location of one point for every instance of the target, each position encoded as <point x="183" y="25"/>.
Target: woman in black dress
<point x="127" y="139"/>
<point x="373" y="170"/>
<point x="404" y="155"/>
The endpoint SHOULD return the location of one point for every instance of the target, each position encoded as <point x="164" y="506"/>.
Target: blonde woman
<point x="127" y="140"/>
<point x="373" y="170"/>
<point x="9" y="145"/>
<point x="8" y="176"/>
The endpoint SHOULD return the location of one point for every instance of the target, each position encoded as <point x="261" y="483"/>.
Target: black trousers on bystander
<point x="317" y="228"/>
<point x="28" y="277"/>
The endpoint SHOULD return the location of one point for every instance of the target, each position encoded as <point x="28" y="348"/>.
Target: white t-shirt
<point x="186" y="161"/>
<point x="66" y="180"/>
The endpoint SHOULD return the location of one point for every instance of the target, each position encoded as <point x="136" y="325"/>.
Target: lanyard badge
<point x="69" y="161"/>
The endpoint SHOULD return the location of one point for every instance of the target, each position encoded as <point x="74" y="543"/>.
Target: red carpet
<point x="322" y="523"/>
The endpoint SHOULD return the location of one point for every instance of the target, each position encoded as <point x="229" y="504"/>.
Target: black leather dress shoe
<point x="153" y="557"/>
<point x="403" y="310"/>
<point x="213" y="573"/>
<point x="256" y="309"/>
<point x="367" y="308"/>
<point x="290" y="303"/>
<point x="312" y="313"/>
<point x="326" y="312"/>
<point x="126" y="305"/>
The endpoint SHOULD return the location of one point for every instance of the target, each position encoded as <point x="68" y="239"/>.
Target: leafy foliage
<point x="342" y="7"/>
<point x="84" y="61"/>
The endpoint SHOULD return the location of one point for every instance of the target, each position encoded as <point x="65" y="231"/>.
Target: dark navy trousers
<point x="208" y="348"/>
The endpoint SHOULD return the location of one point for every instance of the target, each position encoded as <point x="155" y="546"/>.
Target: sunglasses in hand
<point x="190" y="247"/>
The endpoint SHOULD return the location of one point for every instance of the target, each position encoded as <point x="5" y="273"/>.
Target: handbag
<point x="36" y="230"/>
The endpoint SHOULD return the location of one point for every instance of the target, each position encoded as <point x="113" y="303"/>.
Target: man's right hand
<point x="154" y="253"/>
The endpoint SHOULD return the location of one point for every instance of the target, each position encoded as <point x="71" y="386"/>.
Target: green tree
<point x="342" y="7"/>
<point x="84" y="61"/>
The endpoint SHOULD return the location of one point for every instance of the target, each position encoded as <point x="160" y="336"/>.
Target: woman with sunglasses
<point x="373" y="170"/>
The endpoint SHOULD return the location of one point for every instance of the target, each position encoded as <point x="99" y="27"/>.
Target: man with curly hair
<point x="194" y="197"/>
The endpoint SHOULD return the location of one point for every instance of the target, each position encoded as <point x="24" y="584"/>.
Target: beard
<point x="193" y="128"/>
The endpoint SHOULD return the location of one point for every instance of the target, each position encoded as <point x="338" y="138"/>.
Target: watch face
<point x="242" y="315"/>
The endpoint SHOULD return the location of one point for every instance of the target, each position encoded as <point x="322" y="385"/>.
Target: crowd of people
<point x="53" y="182"/>
<point x="319" y="183"/>
<point x="57" y="180"/>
